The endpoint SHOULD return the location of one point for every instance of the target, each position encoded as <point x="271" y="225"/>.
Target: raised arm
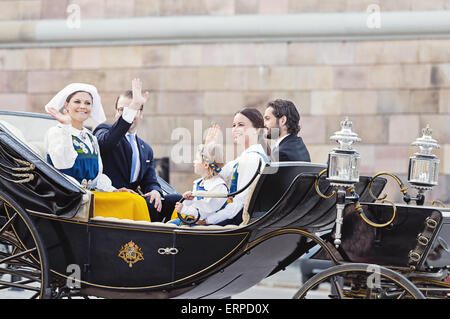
<point x="139" y="99"/>
<point x="108" y="136"/>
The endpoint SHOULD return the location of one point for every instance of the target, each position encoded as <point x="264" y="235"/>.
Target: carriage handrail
<point x="360" y="210"/>
<point x="403" y="189"/>
<point x="209" y="194"/>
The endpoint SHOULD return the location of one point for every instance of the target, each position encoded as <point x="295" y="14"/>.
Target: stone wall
<point x="389" y="89"/>
<point x="56" y="9"/>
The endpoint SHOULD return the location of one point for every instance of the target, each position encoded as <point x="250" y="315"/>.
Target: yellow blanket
<point x="122" y="205"/>
<point x="174" y="215"/>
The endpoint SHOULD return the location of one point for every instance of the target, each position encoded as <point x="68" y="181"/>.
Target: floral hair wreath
<point x="210" y="163"/>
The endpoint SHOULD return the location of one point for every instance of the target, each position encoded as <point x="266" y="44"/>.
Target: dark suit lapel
<point x="286" y="139"/>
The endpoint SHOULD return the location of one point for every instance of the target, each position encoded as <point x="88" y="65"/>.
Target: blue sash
<point x="235" y="176"/>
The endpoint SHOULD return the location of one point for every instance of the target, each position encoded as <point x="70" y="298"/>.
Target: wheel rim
<point x="23" y="263"/>
<point x="359" y="281"/>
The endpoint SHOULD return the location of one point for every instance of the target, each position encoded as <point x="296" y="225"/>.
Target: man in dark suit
<point x="127" y="159"/>
<point x="281" y="122"/>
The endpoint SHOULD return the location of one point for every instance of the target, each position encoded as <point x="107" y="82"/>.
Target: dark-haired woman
<point x="248" y="126"/>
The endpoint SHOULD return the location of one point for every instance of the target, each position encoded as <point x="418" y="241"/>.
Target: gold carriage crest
<point x="131" y="253"/>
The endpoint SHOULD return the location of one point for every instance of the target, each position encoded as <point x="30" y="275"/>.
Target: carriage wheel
<point x="23" y="260"/>
<point x="359" y="281"/>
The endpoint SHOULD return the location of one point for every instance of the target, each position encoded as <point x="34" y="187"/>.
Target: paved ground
<point x="282" y="285"/>
<point x="257" y="292"/>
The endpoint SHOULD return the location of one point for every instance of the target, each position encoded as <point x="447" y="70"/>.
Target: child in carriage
<point x="208" y="164"/>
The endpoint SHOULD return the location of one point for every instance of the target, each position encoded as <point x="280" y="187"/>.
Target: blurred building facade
<point x="390" y="89"/>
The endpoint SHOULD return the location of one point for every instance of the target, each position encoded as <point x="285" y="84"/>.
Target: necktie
<point x="134" y="157"/>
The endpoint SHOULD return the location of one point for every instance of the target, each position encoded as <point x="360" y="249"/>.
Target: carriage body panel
<point x="439" y="253"/>
<point x="133" y="257"/>
<point x="391" y="245"/>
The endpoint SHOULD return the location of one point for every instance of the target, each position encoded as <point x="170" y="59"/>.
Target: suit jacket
<point x="116" y="154"/>
<point x="291" y="148"/>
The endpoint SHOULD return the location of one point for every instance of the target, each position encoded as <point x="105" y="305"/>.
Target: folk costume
<point x="237" y="174"/>
<point x="200" y="205"/>
<point x="76" y="153"/>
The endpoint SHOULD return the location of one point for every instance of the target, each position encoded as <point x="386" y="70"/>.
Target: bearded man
<point x="282" y="123"/>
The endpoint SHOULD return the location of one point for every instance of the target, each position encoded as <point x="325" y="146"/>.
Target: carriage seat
<point x="273" y="183"/>
<point x="37" y="146"/>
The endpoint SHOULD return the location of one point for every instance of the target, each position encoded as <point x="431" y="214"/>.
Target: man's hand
<point x="138" y="99"/>
<point x="155" y="196"/>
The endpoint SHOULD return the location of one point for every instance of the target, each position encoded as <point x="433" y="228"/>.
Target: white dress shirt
<point x="128" y="115"/>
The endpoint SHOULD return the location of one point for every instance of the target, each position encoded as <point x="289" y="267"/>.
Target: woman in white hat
<point x="74" y="150"/>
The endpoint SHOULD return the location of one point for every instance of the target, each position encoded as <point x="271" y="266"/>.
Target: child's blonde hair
<point x="212" y="154"/>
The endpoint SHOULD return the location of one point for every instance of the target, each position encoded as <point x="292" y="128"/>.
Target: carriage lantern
<point x="343" y="171"/>
<point x="343" y="162"/>
<point x="424" y="166"/>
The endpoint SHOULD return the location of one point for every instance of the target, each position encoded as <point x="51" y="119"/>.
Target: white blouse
<point x="59" y="145"/>
<point x="248" y="164"/>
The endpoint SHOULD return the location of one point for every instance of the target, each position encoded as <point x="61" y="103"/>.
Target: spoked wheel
<point x="23" y="260"/>
<point x="359" y="281"/>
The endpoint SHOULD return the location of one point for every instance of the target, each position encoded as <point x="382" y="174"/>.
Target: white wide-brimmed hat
<point x="60" y="98"/>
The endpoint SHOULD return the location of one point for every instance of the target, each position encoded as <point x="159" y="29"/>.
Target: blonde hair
<point x="212" y="154"/>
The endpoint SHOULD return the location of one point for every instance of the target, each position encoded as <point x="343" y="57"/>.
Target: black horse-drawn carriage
<point x="52" y="245"/>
